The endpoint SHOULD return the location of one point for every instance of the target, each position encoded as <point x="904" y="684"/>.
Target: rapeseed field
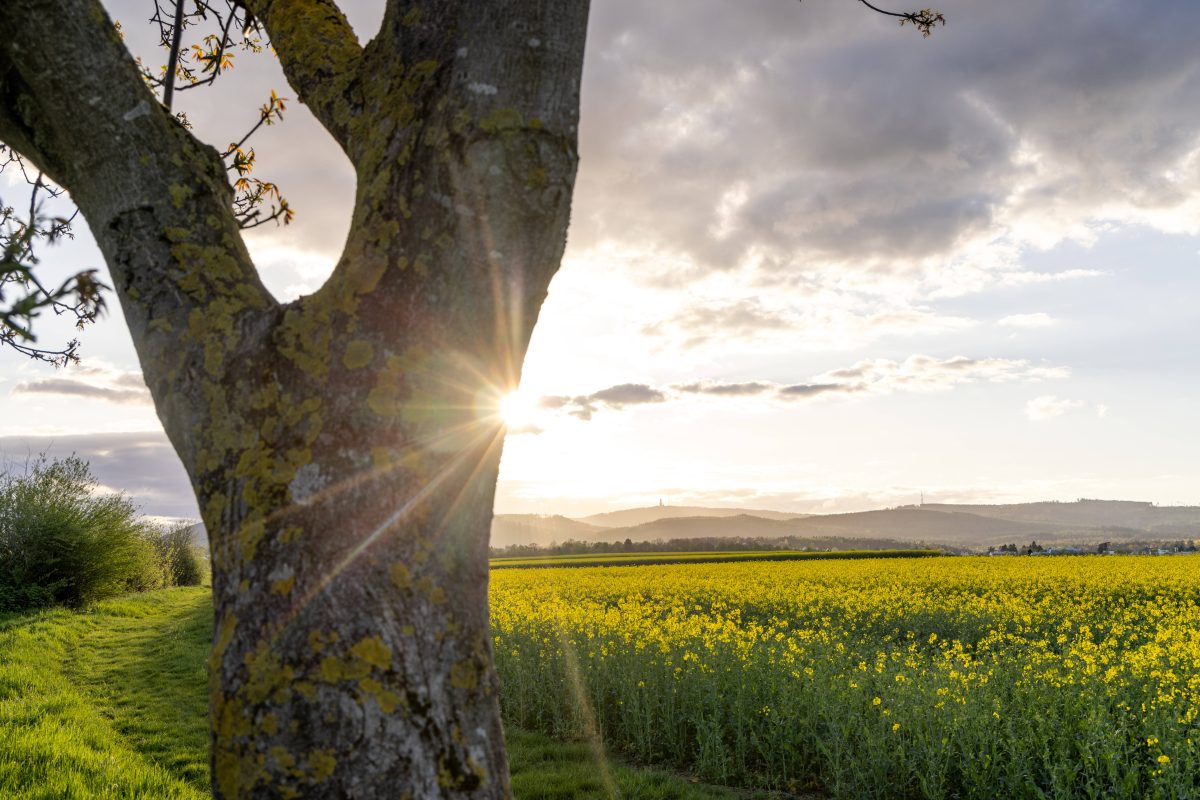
<point x="942" y="678"/>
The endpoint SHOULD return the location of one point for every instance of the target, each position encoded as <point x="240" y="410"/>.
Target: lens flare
<point x="518" y="409"/>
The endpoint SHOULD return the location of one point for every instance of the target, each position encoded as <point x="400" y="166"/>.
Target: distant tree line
<point x="1132" y="547"/>
<point x="64" y="541"/>
<point x="573" y="547"/>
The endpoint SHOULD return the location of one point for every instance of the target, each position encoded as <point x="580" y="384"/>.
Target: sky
<point x="816" y="263"/>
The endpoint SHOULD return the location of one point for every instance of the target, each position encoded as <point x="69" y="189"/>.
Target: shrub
<point x="184" y="564"/>
<point x="63" y="542"/>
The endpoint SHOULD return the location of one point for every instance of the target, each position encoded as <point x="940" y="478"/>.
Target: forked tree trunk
<point x="343" y="447"/>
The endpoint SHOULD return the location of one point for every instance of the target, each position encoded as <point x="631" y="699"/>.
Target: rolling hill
<point x="907" y="525"/>
<point x="971" y="526"/>
<point x="1164" y="521"/>
<point x="640" y="516"/>
<point x="510" y="529"/>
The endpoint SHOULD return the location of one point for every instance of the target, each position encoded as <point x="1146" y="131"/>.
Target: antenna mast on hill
<point x="922" y="499"/>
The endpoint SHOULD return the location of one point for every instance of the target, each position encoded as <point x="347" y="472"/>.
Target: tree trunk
<point x="352" y="656"/>
<point x="344" y="447"/>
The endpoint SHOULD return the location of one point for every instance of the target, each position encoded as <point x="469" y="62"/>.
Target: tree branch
<point x="73" y="102"/>
<point x="320" y="56"/>
<point x="173" y="58"/>
<point x="924" y="20"/>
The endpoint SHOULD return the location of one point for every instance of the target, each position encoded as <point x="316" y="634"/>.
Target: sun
<point x="518" y="409"/>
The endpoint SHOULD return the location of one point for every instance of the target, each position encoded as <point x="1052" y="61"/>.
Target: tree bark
<point x="344" y="447"/>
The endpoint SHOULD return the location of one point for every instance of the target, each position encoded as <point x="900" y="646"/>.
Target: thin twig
<point x="881" y="11"/>
<point x="173" y="58"/>
<point x="220" y="55"/>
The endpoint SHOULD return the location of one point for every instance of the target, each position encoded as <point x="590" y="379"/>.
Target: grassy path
<point x="111" y="703"/>
<point x="73" y="689"/>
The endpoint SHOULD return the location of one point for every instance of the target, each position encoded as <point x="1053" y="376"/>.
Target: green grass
<point x="709" y="557"/>
<point x="86" y="713"/>
<point x="111" y="702"/>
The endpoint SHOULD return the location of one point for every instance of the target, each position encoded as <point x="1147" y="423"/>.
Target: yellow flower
<point x="876" y="702"/>
<point x="1164" y="759"/>
<point x="896" y="727"/>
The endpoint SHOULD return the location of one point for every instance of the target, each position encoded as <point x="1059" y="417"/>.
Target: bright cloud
<point x="1035" y="320"/>
<point x="1049" y="406"/>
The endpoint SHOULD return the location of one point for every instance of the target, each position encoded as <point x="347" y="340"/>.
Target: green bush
<point x="184" y="564"/>
<point x="62" y="542"/>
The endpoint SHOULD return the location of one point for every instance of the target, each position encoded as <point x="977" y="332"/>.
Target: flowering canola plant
<point x="949" y="677"/>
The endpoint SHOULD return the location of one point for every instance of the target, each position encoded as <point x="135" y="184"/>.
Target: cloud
<point x="831" y="318"/>
<point x="1027" y="278"/>
<point x="726" y="389"/>
<point x="620" y="396"/>
<point x="1035" y="320"/>
<point x="741" y="319"/>
<point x="1049" y="406"/>
<point x="95" y="382"/>
<point x="141" y="464"/>
<point x="782" y="141"/>
<point x="921" y="373"/>
<point x="917" y="373"/>
<point x="815" y="389"/>
<point x="627" y="394"/>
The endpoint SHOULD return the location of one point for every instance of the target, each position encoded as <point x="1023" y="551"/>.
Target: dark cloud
<point x="71" y="387"/>
<point x="814" y="389"/>
<point x="726" y="389"/>
<point x="811" y="133"/>
<point x="144" y="465"/>
<point x="584" y="406"/>
<point x="627" y="394"/>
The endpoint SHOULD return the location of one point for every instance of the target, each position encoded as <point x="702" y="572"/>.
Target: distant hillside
<point x="698" y="527"/>
<point x="641" y="516"/>
<point x="910" y="525"/>
<point x="510" y="529"/>
<point x="943" y="527"/>
<point x="1153" y="520"/>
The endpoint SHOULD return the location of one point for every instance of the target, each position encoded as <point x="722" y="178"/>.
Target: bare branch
<point x="925" y="20"/>
<point x="79" y="296"/>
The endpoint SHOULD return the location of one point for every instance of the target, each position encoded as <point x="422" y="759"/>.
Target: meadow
<point x="934" y="678"/>
<point x="886" y="678"/>
<point x="111" y="703"/>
